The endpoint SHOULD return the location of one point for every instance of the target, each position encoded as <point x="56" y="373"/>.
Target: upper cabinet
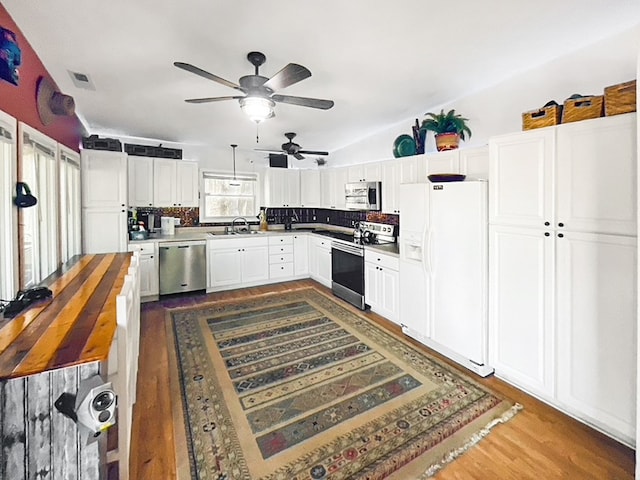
<point x="579" y="176"/>
<point x="310" y="192"/>
<point x="332" y="182"/>
<point x="394" y="173"/>
<point x="365" y="172"/>
<point x="282" y="187"/>
<point x="140" y="182"/>
<point x="474" y="162"/>
<point x="175" y="183"/>
<point x="104" y="179"/>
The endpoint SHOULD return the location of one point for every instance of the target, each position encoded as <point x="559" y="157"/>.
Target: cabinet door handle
<point x="546" y="224"/>
<point x="561" y="224"/>
<point x="546" y="234"/>
<point x="560" y="235"/>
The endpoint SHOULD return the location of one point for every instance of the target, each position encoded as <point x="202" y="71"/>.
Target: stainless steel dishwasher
<point x="183" y="267"/>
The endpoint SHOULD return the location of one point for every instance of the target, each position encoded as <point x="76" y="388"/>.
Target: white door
<point x="104" y="179"/>
<point x="148" y="276"/>
<point x="443" y="162"/>
<point x="389" y="293"/>
<point x="104" y="230"/>
<point x="457" y="250"/>
<point x="596" y="324"/>
<point x="301" y="255"/>
<point x="521" y="303"/>
<point x="140" y="181"/>
<point x="164" y="182"/>
<point x="225" y="267"/>
<point x="521" y="169"/>
<point x="596" y="181"/>
<point x="474" y="162"/>
<point x="255" y="264"/>
<point x="414" y="199"/>
<point x="390" y="187"/>
<point x="310" y="188"/>
<point x="187" y="184"/>
<point x="372" y="286"/>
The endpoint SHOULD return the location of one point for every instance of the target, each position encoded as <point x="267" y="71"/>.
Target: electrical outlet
<point x="176" y="221"/>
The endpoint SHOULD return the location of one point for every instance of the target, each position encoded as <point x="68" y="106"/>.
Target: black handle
<point x="560" y="235"/>
<point x="546" y="224"/>
<point x="561" y="224"/>
<point x="546" y="234"/>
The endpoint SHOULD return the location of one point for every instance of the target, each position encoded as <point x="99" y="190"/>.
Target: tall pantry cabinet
<point x="562" y="213"/>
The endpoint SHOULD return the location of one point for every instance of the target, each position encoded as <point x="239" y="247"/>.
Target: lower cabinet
<point x="320" y="260"/>
<point x="563" y="322"/>
<point x="281" y="257"/>
<point x="234" y="263"/>
<point x="149" y="270"/>
<point x="300" y="255"/>
<point x="382" y="284"/>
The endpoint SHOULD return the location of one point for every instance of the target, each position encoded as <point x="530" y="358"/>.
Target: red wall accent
<point x="20" y="101"/>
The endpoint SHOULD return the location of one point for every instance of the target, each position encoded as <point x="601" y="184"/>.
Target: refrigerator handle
<point x="423" y="251"/>
<point x="427" y="251"/>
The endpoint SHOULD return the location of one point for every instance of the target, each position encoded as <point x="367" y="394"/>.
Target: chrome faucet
<point x="235" y="229"/>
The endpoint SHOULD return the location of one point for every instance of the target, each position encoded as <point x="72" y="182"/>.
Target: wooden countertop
<point x="76" y="326"/>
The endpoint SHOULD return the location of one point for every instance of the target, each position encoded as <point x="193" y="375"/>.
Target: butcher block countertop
<point x="74" y="327"/>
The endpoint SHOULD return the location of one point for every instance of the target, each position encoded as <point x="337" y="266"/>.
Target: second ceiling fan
<point x="291" y="148"/>
<point x="259" y="97"/>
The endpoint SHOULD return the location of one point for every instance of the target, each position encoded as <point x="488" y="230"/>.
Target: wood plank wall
<point x="37" y="442"/>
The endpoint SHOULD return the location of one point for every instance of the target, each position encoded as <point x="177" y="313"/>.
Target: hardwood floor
<point x="538" y="443"/>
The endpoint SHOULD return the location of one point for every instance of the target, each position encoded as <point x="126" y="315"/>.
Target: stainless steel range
<point x="347" y="259"/>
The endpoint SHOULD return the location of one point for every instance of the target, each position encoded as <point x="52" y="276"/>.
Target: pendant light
<point x="234" y="183"/>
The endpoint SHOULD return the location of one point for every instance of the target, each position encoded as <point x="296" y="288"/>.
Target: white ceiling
<point x="382" y="62"/>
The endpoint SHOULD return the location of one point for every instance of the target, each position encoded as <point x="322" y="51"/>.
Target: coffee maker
<point x="149" y="220"/>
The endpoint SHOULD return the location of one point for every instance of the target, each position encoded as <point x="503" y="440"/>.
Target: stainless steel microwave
<point x="363" y="195"/>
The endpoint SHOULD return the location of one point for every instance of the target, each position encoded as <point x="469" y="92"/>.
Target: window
<point x="70" y="230"/>
<point x="224" y="197"/>
<point x="40" y="222"/>
<point x="8" y="217"/>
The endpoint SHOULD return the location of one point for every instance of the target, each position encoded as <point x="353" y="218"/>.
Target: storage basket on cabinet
<point x="582" y="108"/>
<point x="542" y="117"/>
<point x="620" y="98"/>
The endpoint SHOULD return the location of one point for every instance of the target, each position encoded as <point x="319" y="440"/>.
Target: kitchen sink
<point x="250" y="232"/>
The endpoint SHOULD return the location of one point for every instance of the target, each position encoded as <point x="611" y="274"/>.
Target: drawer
<point x="281" y="258"/>
<point x="281" y="240"/>
<point x="148" y="248"/>
<point x="381" y="259"/>
<point x="280" y="249"/>
<point x="237" y="241"/>
<point x="281" y="270"/>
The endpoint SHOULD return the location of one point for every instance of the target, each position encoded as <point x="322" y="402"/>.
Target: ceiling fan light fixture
<point x="258" y="109"/>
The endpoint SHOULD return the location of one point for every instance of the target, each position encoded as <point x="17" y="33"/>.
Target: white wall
<point x="499" y="109"/>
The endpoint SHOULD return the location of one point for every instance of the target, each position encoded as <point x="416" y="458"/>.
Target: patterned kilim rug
<point x="295" y="386"/>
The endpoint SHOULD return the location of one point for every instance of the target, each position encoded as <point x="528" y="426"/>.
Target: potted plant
<point x="448" y="128"/>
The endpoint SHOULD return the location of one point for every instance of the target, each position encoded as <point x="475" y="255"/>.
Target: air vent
<point x="81" y="80"/>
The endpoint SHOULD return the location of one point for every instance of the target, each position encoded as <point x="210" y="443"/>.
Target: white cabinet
<point x="522" y="175"/>
<point x="175" y="183"/>
<point x="395" y="173"/>
<point x="443" y="162"/>
<point x="234" y="263"/>
<point x="474" y="162"/>
<point x="320" y="260"/>
<point x="281" y="257"/>
<point x="596" y="161"/>
<point x="140" y="181"/>
<point x="301" y="255"/>
<point x="104" y="201"/>
<point x="563" y="267"/>
<point x="521" y="306"/>
<point x="104" y="179"/>
<point x="310" y="192"/>
<point x="365" y="172"/>
<point x="596" y="330"/>
<point x="282" y="187"/>
<point x="332" y="183"/>
<point x="149" y="269"/>
<point x="382" y="284"/>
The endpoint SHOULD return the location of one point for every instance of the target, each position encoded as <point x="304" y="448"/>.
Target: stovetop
<point x="345" y="237"/>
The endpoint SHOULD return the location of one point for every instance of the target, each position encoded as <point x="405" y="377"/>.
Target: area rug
<point x="296" y="386"/>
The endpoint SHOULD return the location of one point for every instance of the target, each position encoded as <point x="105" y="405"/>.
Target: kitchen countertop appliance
<point x="443" y="269"/>
<point x="362" y="195"/>
<point x="347" y="259"/>
<point x="182" y="266"/>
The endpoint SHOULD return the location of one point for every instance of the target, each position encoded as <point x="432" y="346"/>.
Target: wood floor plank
<point x="538" y="443"/>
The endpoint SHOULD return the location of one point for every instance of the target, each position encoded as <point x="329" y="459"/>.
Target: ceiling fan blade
<point x="203" y="73"/>
<point x="269" y="150"/>
<point x="313" y="152"/>
<point x="211" y="99"/>
<point x="292" y="73"/>
<point x="298" y="156"/>
<point x="303" y="101"/>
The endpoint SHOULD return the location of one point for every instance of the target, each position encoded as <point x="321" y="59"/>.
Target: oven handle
<point x="343" y="247"/>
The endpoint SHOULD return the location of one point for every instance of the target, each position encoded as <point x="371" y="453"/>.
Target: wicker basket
<point x="620" y="98"/>
<point x="582" y="108"/>
<point x="543" y="117"/>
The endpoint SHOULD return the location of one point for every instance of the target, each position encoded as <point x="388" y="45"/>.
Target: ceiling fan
<point x="291" y="148"/>
<point x="259" y="97"/>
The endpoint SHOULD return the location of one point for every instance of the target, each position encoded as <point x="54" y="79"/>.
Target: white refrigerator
<point x="443" y="269"/>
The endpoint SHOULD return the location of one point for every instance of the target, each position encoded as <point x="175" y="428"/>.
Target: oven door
<point x="347" y="273"/>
